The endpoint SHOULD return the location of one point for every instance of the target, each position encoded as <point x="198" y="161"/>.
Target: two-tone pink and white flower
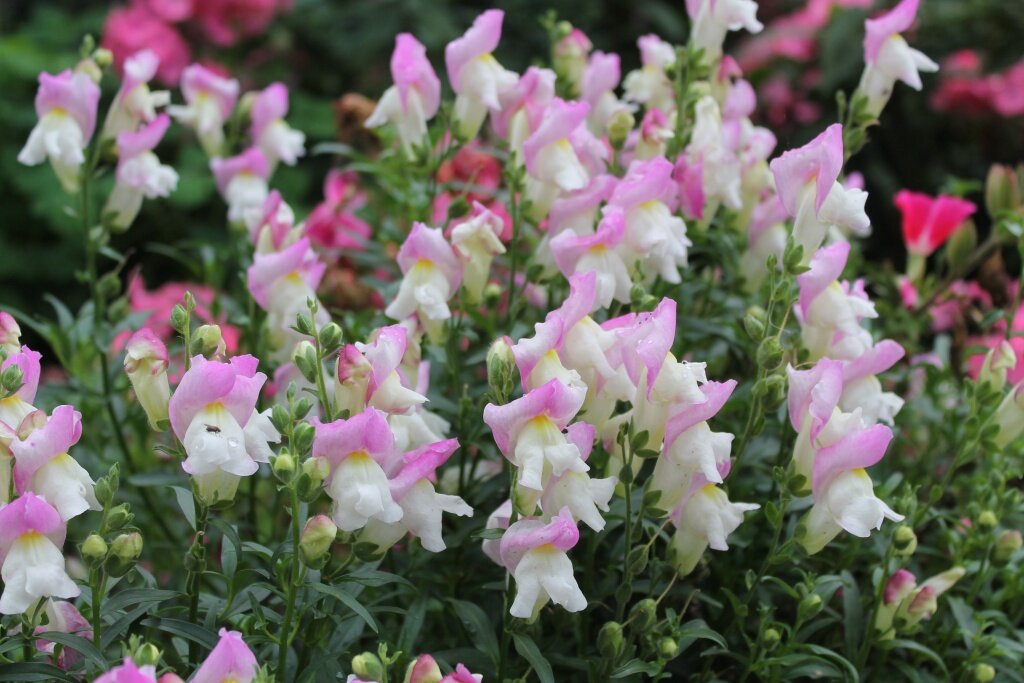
<point x="17" y="406"/>
<point x="649" y="85"/>
<point x="134" y="102"/>
<point x="129" y="672"/>
<point x="230" y="660"/>
<point x="551" y="159"/>
<point x="807" y="182"/>
<point x="597" y="88"/>
<point x="888" y="58"/>
<point x="66" y="106"/>
<point x="534" y="552"/>
<point x="477" y="241"/>
<point x="584" y="497"/>
<point x="278" y="141"/>
<point x="140" y="175"/>
<point x="209" y="100"/>
<point x="370" y="375"/>
<point x="713" y="19"/>
<point x="432" y="273"/>
<point x="213" y="414"/>
<point x="523" y="108"/>
<point x="600" y="253"/>
<point x="475" y="75"/>
<point x="830" y="312"/>
<point x="281" y="283"/>
<point x="31" y="563"/>
<point x="145" y="363"/>
<point x="415" y="96"/>
<point x="242" y="181"/>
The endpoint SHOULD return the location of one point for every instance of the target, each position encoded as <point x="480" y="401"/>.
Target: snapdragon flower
<point x="477" y="241"/>
<point x="597" y="88"/>
<point x="432" y="274"/>
<point x="906" y="604"/>
<point x="584" y="497"/>
<point x="551" y="160"/>
<point x="134" y="102"/>
<point x="359" y="450"/>
<point x="333" y="223"/>
<point x="651" y="140"/>
<point x="863" y="390"/>
<point x="230" y="660"/>
<point x="209" y="98"/>
<point x="569" y="56"/>
<point x="42" y="465"/>
<point x="31" y="536"/>
<point x="600" y="253"/>
<point x="475" y="75"/>
<point x="830" y="312"/>
<point x="888" y="58"/>
<point x="414" y="98"/>
<point x="649" y="85"/>
<point x="129" y="672"/>
<point x="713" y="19"/>
<point x="66" y="106"/>
<point x="139" y="173"/>
<point x="213" y="414"/>
<point x="10" y="335"/>
<point x="807" y="180"/>
<point x="767" y="234"/>
<point x="242" y="181"/>
<point x="63" y="617"/>
<point x="17" y="406"/>
<point x="422" y="506"/>
<point x="576" y="211"/>
<point x="534" y="552"/>
<point x="720" y="171"/>
<point x="278" y="141"/>
<point x="927" y="222"/>
<point x="523" y="108"/>
<point x="369" y="375"/>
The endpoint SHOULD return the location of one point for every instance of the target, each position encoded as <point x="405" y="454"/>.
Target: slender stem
<point x="980" y="254"/>
<point x="284" y="639"/>
<point x="194" y="576"/>
<point x="627" y="579"/>
<point x="869" y="626"/>
<point x="513" y="248"/>
<point x="99" y="589"/>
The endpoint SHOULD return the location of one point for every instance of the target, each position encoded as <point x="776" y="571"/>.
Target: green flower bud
<point x="302" y="437"/>
<point x="311" y="481"/>
<point x="983" y="673"/>
<point x="961" y="246"/>
<point x="754" y="323"/>
<point x="987" y="521"/>
<point x="643" y="615"/>
<point x="620" y="125"/>
<point x="330" y="337"/>
<point x="1002" y="190"/>
<point x="280" y="418"/>
<point x="107" y="486"/>
<point x="809" y="606"/>
<point x="11" y="379"/>
<point x="769" y="353"/>
<point x="119" y="517"/>
<point x="315" y="543"/>
<point x="284" y="467"/>
<point x="304" y="325"/>
<point x="207" y="341"/>
<point x="304" y="357"/>
<point x="147" y="655"/>
<point x="1006" y="546"/>
<point x="179" y="318"/>
<point x="124" y="552"/>
<point x="998" y="362"/>
<point x="368" y="667"/>
<point x="904" y="541"/>
<point x="301" y="408"/>
<point x="668" y="648"/>
<point x="637" y="559"/>
<point x="109" y="286"/>
<point x="500" y="368"/>
<point x="610" y="642"/>
<point x="103" y="57"/>
<point x="770" y="639"/>
<point x="94" y="550"/>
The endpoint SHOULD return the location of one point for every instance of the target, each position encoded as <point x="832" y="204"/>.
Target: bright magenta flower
<point x="929" y="221"/>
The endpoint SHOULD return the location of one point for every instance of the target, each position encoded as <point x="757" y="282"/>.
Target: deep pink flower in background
<point x="130" y="29"/>
<point x="333" y="224"/>
<point x="929" y="221"/>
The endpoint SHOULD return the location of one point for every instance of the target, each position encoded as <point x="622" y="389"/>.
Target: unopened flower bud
<point x="207" y="341"/>
<point x="1006" y="546"/>
<point x="754" y="323"/>
<point x="311" y="481"/>
<point x="644" y="614"/>
<point x="368" y="667"/>
<point x="809" y="606"/>
<point x="124" y="552"/>
<point x="330" y="337"/>
<point x="301" y="408"/>
<point x="620" y="125"/>
<point x="1002" y="192"/>
<point x="668" y="648"/>
<point x="500" y="367"/>
<point x="315" y="542"/>
<point x="91" y="69"/>
<point x="11" y="378"/>
<point x="304" y="357"/>
<point x="998" y="362"/>
<point x="904" y="541"/>
<point x="147" y="655"/>
<point x="1010" y="416"/>
<point x="280" y="418"/>
<point x="107" y="486"/>
<point x="769" y="353"/>
<point x="284" y="467"/>
<point x="423" y="670"/>
<point x="770" y="639"/>
<point x="961" y="245"/>
<point x="103" y="57"/>
<point x="983" y="673"/>
<point x="10" y="334"/>
<point x="179" y="318"/>
<point x="119" y="517"/>
<point x="94" y="550"/>
<point x="610" y="642"/>
<point x="302" y="437"/>
<point x="145" y="363"/>
<point x="987" y="521"/>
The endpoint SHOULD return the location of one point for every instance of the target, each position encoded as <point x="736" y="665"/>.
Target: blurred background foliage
<point x="325" y="48"/>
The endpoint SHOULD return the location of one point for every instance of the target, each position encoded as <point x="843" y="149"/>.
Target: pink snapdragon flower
<point x="462" y="675"/>
<point x="929" y="221"/>
<point x="477" y="241"/>
<point x="369" y="375"/>
<point x="63" y="617"/>
<point x="10" y="334"/>
<point x="17" y="406"/>
<point x="230" y="660"/>
<point x="807" y="180"/>
<point x="475" y="75"/>
<point x="146" y="362"/>
<point x="31" y="536"/>
<point x="888" y="58"/>
<point x="242" y="181"/>
<point x="906" y="604"/>
<point x="209" y="98"/>
<point x="534" y="552"/>
<point x="134" y="102"/>
<point x="713" y="19"/>
<point x="708" y="154"/>
<point x="830" y="312"/>
<point x="585" y="498"/>
<point x="42" y="465"/>
<point x="278" y="141"/>
<point x="412" y="487"/>
<point x="333" y="223"/>
<point x="129" y="673"/>
<point x="649" y="85"/>
<point x="578" y="211"/>
<point x="225" y="22"/>
<point x="359" y="451"/>
<point x="599" y="252"/>
<point x="569" y="57"/>
<point x="597" y="88"/>
<point x="414" y="98"/>
<point x="523" y="108"/>
<point x="861" y="387"/>
<point x="128" y="30"/>
<point x="551" y="159"/>
<point x="432" y="273"/>
<point x="213" y="414"/>
<point x="140" y="175"/>
<point x="66" y="106"/>
<point x="281" y="282"/>
<point x="528" y="431"/>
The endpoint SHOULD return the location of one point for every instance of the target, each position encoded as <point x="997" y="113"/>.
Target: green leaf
<point x="134" y="597"/>
<point x="349" y="601"/>
<point x="479" y="626"/>
<point x="913" y="646"/>
<point x="22" y="671"/>
<point x="412" y="625"/>
<point x="187" y="504"/>
<point x="636" y="666"/>
<point x="186" y="630"/>
<point x="529" y="651"/>
<point x="699" y="630"/>
<point x="78" y="644"/>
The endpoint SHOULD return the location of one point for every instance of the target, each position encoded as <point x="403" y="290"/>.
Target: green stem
<point x="869" y="626"/>
<point x="284" y="639"/>
<point x="513" y="248"/>
<point x="194" y="576"/>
